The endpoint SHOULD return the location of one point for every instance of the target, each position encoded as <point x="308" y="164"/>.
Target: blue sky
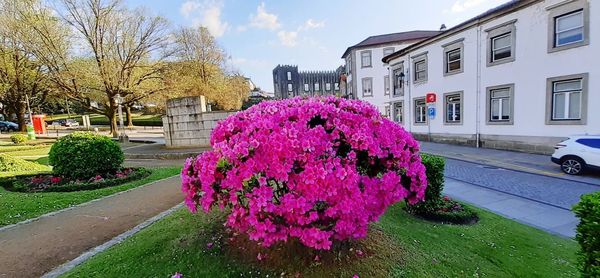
<point x="258" y="35"/>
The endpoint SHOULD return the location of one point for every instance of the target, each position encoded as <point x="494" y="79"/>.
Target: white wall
<point x="532" y="66"/>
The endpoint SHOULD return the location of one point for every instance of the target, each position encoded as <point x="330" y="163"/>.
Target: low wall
<point x="187" y="122"/>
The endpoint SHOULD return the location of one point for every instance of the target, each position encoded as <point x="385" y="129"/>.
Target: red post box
<point x="39" y="124"/>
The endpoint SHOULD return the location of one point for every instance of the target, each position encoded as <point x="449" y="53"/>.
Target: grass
<point x="16" y="207"/>
<point x="97" y="119"/>
<point x="399" y="245"/>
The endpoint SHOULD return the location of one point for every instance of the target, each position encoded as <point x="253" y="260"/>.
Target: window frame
<point x="421" y="58"/>
<point x="306" y="87"/>
<point x="327" y="87"/>
<point x="415" y="106"/>
<point x="399" y="68"/>
<point x="565" y="9"/>
<point x="461" y="107"/>
<point x="393" y="114"/>
<point x="386" y="85"/>
<point x="362" y="61"/>
<point x="289" y="76"/>
<point x="457" y="45"/>
<point x="336" y="86"/>
<point x="290" y="87"/>
<point x="511" y="101"/>
<point x="363" y="80"/>
<point x="550" y="82"/>
<point x="317" y="87"/>
<point x="388" y="49"/>
<point x="505" y="29"/>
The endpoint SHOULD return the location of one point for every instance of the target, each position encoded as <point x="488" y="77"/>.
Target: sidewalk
<point x="32" y="249"/>
<point x="549" y="218"/>
<point x="524" y="162"/>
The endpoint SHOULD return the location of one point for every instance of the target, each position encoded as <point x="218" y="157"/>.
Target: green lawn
<point x="97" y="119"/>
<point x="398" y="246"/>
<point x="16" y="207"/>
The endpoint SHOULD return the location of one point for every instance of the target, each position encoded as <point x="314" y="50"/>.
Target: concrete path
<point x="519" y="161"/>
<point x="32" y="249"/>
<point x="550" y="218"/>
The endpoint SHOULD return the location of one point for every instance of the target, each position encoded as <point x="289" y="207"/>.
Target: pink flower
<point x="55" y="179"/>
<point x="355" y="276"/>
<point x="177" y="275"/>
<point x="284" y="168"/>
<point x="209" y="245"/>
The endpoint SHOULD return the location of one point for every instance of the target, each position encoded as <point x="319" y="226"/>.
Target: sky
<point x="313" y="34"/>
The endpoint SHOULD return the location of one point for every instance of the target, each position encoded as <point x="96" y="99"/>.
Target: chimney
<point x="443" y="27"/>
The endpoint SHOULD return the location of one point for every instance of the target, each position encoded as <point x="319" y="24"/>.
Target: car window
<point x="592" y="143"/>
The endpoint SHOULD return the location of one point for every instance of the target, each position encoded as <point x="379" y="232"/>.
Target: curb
<point x="64" y="268"/>
<point x="7" y="227"/>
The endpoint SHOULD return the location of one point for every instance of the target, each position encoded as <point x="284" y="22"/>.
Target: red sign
<point x="430" y="97"/>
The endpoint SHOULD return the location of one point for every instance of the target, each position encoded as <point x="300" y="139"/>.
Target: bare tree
<point x="123" y="52"/>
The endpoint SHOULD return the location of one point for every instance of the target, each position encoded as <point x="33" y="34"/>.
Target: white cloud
<point x="311" y="24"/>
<point x="463" y="5"/>
<point x="263" y="19"/>
<point x="288" y="39"/>
<point x="207" y="14"/>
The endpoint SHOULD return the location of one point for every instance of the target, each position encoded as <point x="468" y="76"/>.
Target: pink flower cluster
<point x="314" y="169"/>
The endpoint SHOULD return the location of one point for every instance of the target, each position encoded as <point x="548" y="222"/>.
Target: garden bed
<point x="399" y="245"/>
<point x="448" y="211"/>
<point x="52" y="183"/>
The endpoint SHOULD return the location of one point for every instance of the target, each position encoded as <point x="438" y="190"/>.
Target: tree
<point x="119" y="52"/>
<point x="199" y="70"/>
<point x="22" y="78"/>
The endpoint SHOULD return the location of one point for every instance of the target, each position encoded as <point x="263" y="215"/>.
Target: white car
<point x="578" y="154"/>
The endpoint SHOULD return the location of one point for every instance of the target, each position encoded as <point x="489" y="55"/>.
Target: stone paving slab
<point x="543" y="216"/>
<point x="34" y="248"/>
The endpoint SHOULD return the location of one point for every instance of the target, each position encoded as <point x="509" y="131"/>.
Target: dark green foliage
<point x="588" y="234"/>
<point x="24" y="184"/>
<point x="15" y="164"/>
<point x="81" y="155"/>
<point x="18" y="138"/>
<point x="435" y="207"/>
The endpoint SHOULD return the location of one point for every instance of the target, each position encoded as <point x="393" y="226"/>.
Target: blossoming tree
<point x="314" y="169"/>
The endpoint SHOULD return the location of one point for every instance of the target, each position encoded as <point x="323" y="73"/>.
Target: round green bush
<point x="81" y="155"/>
<point x="18" y="138"/>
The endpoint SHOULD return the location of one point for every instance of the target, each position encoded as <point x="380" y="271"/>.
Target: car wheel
<point x="572" y="165"/>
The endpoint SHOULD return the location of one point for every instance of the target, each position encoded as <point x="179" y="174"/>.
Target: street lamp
<point x="122" y="136"/>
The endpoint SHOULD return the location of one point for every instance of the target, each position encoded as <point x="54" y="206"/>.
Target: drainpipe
<point x="478" y="91"/>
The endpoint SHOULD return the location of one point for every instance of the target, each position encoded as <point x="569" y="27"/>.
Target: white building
<point x="366" y="76"/>
<point x="521" y="76"/>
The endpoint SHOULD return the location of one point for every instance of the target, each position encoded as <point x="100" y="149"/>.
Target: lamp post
<point x="122" y="136"/>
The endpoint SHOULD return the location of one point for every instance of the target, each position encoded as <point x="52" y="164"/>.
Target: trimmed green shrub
<point x="18" y="138"/>
<point x="81" y="155"/>
<point x="436" y="207"/>
<point x="588" y="234"/>
<point x="15" y="164"/>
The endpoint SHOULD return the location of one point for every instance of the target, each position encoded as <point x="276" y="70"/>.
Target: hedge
<point x="588" y="234"/>
<point x="15" y="164"/>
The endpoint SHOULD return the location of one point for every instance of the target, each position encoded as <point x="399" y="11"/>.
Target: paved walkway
<point x="32" y="249"/>
<point x="550" y="218"/>
<point x="525" y="162"/>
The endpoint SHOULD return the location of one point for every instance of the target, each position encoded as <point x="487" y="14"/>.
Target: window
<point x="501" y="47"/>
<point x="420" y="68"/>
<point x="386" y="85"/>
<point x="568" y="25"/>
<point x="327" y="86"/>
<point x="290" y="87"/>
<point x="367" y="87"/>
<point x="453" y="108"/>
<point x="289" y="75"/>
<point x="420" y="111"/>
<point x="399" y="112"/>
<point x="365" y="59"/>
<point x="317" y="87"/>
<point x="387" y="111"/>
<point x="306" y="87"/>
<point x="590" y="142"/>
<point x="387" y="51"/>
<point x="501" y="43"/>
<point x="336" y="86"/>
<point x="566" y="100"/>
<point x="453" y="57"/>
<point x="349" y="65"/>
<point x="499" y="105"/>
<point x="398" y="81"/>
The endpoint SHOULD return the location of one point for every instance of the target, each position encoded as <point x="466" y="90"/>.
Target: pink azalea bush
<point x="315" y="169"/>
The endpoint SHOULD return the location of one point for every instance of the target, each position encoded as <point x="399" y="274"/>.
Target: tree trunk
<point x="20" y="112"/>
<point x="128" y="116"/>
<point x="111" y="114"/>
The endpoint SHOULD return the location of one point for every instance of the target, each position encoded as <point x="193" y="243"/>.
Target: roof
<point x="392" y="38"/>
<point x="507" y="7"/>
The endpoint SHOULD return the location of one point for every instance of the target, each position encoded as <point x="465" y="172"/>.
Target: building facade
<point x="288" y="82"/>
<point x="522" y="76"/>
<point x="366" y="76"/>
